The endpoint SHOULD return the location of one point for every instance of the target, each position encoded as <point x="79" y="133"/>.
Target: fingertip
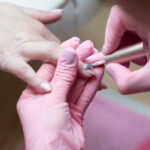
<point x="88" y="44"/>
<point x="117" y="69"/>
<point x="46" y="87"/>
<point x="85" y="49"/>
<point x="74" y="42"/>
<point x="57" y="11"/>
<point x="69" y="50"/>
<point x="95" y="57"/>
<point x="104" y="50"/>
<point x="68" y="56"/>
<point x="75" y="38"/>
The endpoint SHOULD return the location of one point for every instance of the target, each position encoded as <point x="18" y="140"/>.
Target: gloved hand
<point x="123" y="30"/>
<point x="25" y="38"/>
<point x="53" y="121"/>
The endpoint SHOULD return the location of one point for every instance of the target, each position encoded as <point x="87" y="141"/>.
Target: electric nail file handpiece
<point x="123" y="55"/>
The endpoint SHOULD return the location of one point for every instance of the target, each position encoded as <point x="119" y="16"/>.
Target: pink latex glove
<point x="53" y="121"/>
<point x="122" y="30"/>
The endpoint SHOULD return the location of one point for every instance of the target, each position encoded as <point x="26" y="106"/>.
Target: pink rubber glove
<point x="122" y="30"/>
<point x="53" y="121"/>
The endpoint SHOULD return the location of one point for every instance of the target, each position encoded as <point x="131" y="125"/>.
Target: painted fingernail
<point x="91" y="72"/>
<point x="57" y="11"/>
<point x="46" y="86"/>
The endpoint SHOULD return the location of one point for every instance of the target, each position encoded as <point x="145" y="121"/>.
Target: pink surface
<point x="109" y="126"/>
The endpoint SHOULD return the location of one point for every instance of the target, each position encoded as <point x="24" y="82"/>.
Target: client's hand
<point x="24" y="38"/>
<point x="53" y="121"/>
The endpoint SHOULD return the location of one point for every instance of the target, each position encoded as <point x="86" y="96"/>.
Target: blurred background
<point x="83" y="18"/>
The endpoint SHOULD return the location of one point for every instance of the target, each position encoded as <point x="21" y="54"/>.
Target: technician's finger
<point x="92" y="86"/>
<point x="65" y="74"/>
<point x="141" y="61"/>
<point x="74" y="42"/>
<point x="46" y="72"/>
<point x="118" y="23"/>
<point x="83" y="51"/>
<point x="130" y="82"/>
<point x="114" y="31"/>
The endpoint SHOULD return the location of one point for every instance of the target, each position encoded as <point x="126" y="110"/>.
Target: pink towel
<point x="109" y="126"/>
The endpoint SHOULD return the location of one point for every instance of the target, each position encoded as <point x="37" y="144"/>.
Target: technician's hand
<point x="53" y="121"/>
<point x="122" y="30"/>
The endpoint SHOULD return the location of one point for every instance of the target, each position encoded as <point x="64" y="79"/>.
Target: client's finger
<point x="83" y="51"/>
<point x="22" y="70"/>
<point x="44" y="16"/>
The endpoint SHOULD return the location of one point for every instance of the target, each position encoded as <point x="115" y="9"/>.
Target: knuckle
<point x="123" y="86"/>
<point x="85" y="99"/>
<point x="123" y="90"/>
<point x="23" y="73"/>
<point x="23" y="36"/>
<point x="115" y="8"/>
<point x="39" y="26"/>
<point x="5" y="62"/>
<point x="52" y="45"/>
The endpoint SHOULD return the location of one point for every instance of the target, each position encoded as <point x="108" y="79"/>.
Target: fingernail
<point x="91" y="72"/>
<point x="57" y="11"/>
<point x="76" y="39"/>
<point x="46" y="86"/>
<point x="68" y="56"/>
<point x="88" y="44"/>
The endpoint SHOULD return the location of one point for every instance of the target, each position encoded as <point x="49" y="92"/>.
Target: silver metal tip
<point x="87" y="66"/>
<point x="98" y="63"/>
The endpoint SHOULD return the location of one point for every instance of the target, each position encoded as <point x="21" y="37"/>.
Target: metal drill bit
<point x="89" y="66"/>
<point x="126" y="54"/>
